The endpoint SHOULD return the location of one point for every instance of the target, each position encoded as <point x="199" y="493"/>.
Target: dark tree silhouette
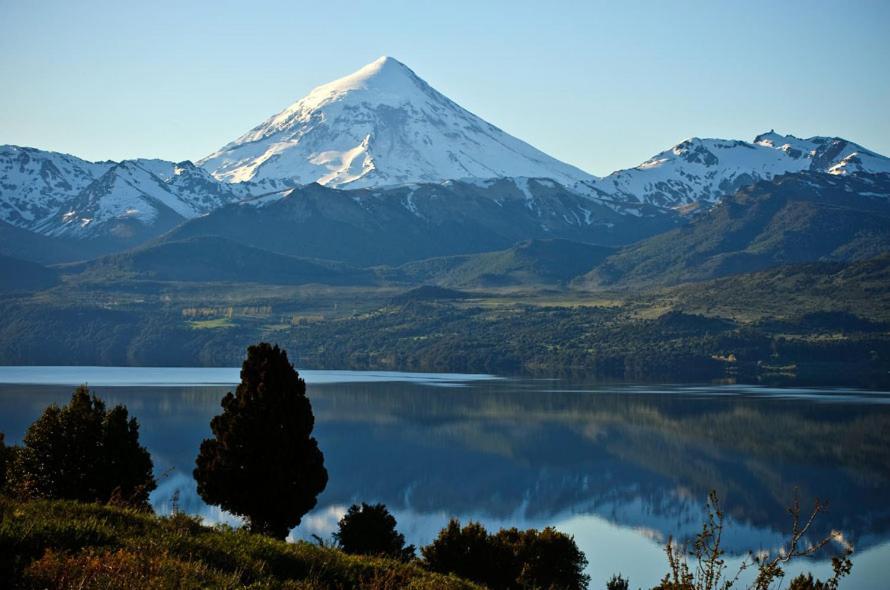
<point x="509" y="559"/>
<point x="262" y="462"/>
<point x="371" y="530"/>
<point x="465" y="552"/>
<point x="618" y="582"/>
<point x="543" y="559"/>
<point x="83" y="452"/>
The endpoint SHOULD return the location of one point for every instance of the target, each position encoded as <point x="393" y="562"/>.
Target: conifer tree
<point x="262" y="462"/>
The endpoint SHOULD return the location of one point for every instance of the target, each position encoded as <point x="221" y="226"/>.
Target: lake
<point x="620" y="467"/>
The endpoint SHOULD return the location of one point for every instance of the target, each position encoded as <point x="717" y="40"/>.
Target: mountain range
<point x="379" y="168"/>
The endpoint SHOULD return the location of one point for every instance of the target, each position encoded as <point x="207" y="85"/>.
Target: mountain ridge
<point x="790" y="219"/>
<point x="384" y="129"/>
<point x="367" y="227"/>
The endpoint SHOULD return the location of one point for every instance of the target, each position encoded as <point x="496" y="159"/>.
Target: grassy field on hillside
<point x="67" y="545"/>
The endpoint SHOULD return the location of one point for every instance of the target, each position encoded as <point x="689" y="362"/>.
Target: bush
<point x="83" y="452"/>
<point x="262" y="462"/>
<point x="371" y="530"/>
<point x="708" y="569"/>
<point x="807" y="582"/>
<point x="509" y="559"/>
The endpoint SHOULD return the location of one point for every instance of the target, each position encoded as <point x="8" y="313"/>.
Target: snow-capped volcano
<point x="381" y="125"/>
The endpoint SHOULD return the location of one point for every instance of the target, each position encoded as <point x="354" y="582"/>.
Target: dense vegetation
<point x="812" y="322"/>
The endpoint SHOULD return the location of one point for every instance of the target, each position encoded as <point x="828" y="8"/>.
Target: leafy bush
<point x="83" y="452"/>
<point x="509" y="559"/>
<point x="371" y="530"/>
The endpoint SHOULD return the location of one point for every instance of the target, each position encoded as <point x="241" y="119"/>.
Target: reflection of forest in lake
<point x="534" y="452"/>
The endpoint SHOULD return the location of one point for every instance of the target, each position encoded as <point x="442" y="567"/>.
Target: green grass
<point x="213" y="324"/>
<point x="63" y="544"/>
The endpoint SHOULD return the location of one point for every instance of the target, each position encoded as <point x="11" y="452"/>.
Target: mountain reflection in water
<point x="615" y="465"/>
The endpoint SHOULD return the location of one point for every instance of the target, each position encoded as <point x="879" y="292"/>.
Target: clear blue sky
<point x="602" y="85"/>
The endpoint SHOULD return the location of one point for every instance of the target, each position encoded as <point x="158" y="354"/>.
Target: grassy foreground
<point x="63" y="544"/>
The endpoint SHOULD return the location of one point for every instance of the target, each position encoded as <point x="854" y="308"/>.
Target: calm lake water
<point x="620" y="467"/>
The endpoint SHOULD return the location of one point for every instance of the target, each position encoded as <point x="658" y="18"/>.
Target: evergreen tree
<point x="83" y="452"/>
<point x="262" y="462"/>
<point x="371" y="530"/>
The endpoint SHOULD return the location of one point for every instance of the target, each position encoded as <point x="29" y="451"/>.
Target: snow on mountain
<point x="381" y="125"/>
<point x="833" y="155"/>
<point x="125" y="192"/>
<point x="59" y="194"/>
<point x="703" y="170"/>
<point x="130" y="192"/>
<point x="34" y="183"/>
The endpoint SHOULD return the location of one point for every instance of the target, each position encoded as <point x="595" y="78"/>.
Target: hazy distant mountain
<point x="532" y="262"/>
<point x="23" y="275"/>
<point x="392" y="226"/>
<point x="790" y="219"/>
<point x="214" y="259"/>
<point x="703" y="170"/>
<point x="381" y="125"/>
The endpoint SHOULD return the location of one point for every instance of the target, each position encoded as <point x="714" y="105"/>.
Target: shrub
<point x="710" y="572"/>
<point x="83" y="452"/>
<point x="262" y="462"/>
<point x="466" y="552"/>
<point x="371" y="530"/>
<point x="509" y="559"/>
<point x="807" y="582"/>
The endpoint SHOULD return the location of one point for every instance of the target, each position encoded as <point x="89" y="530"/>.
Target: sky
<point x="601" y="85"/>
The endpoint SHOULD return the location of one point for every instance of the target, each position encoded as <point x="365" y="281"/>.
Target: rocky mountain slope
<point x="698" y="172"/>
<point x="116" y="203"/>
<point x="392" y="226"/>
<point x="794" y="218"/>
